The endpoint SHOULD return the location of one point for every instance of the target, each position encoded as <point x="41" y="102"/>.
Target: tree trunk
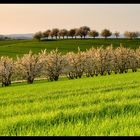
<point x="56" y="78"/>
<point x="91" y="75"/>
<point x="80" y="76"/>
<point x="30" y="80"/>
<point x="87" y="74"/>
<point x="109" y="73"/>
<point x="6" y="83"/>
<point x="102" y="73"/>
<point x="70" y="76"/>
<point x="51" y="79"/>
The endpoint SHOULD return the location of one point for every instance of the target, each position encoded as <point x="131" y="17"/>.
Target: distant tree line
<point x="81" y="32"/>
<point x="92" y="62"/>
<point x="2" y="37"/>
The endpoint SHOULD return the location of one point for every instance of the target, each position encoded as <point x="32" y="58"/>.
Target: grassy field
<point x="103" y="105"/>
<point x="19" y="47"/>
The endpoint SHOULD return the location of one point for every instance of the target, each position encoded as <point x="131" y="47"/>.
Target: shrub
<point x="90" y="62"/>
<point x="29" y="66"/>
<point x="54" y="64"/>
<point x="6" y="70"/>
<point x="122" y="59"/>
<point x="75" y="64"/>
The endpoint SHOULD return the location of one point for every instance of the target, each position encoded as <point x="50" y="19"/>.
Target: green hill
<point x="19" y="47"/>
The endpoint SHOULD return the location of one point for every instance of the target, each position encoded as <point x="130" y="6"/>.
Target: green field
<point x="19" y="47"/>
<point x="103" y="105"/>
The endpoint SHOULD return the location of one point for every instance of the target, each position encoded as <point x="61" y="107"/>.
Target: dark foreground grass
<point x="20" y="47"/>
<point x="104" y="105"/>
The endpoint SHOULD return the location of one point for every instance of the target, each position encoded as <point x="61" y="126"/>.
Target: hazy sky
<point x="30" y="18"/>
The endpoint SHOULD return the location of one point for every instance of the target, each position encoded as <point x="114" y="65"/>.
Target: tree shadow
<point x="49" y="40"/>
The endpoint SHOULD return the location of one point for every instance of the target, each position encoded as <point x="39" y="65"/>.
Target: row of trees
<point x="82" y="32"/>
<point x="95" y="61"/>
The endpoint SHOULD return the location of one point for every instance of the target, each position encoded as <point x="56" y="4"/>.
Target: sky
<point x="30" y="18"/>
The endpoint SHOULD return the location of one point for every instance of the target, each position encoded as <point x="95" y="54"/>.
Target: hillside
<point x="19" y="47"/>
<point x="103" y="105"/>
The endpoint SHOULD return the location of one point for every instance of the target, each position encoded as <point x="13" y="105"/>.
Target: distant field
<point x="19" y="47"/>
<point x="103" y="105"/>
